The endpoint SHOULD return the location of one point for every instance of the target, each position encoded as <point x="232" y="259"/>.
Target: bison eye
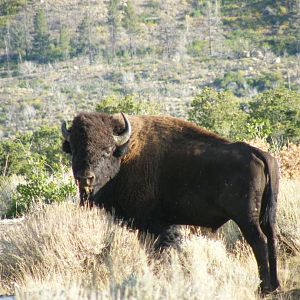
<point x="107" y="152"/>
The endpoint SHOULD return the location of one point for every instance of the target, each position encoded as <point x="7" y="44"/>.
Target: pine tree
<point x="8" y="9"/>
<point x="130" y="23"/>
<point x="41" y="41"/>
<point x="64" y="42"/>
<point x="114" y="23"/>
<point x="84" y="43"/>
<point x="18" y="39"/>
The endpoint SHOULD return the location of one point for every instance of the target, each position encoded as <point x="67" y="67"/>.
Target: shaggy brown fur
<point x="172" y="172"/>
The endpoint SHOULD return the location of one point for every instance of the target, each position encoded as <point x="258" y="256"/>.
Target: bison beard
<point x="159" y="172"/>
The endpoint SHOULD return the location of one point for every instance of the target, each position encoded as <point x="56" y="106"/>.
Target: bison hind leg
<point x="269" y="230"/>
<point x="253" y="234"/>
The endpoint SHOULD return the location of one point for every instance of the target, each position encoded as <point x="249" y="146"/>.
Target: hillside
<point x="59" y="57"/>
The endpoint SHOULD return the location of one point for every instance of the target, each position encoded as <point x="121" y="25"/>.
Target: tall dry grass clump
<point x="66" y="241"/>
<point x="64" y="252"/>
<point x="288" y="228"/>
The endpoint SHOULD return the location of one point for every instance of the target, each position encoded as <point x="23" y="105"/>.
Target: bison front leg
<point x="170" y="236"/>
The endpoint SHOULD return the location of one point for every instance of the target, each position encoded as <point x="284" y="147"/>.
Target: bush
<point x="219" y="112"/>
<point x="43" y="143"/>
<point x="267" y="81"/>
<point x="38" y="157"/>
<point x="41" y="186"/>
<point x="128" y="105"/>
<point x="196" y="48"/>
<point x="277" y="113"/>
<point x="233" y="81"/>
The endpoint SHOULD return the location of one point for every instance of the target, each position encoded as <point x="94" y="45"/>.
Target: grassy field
<point x="65" y="252"/>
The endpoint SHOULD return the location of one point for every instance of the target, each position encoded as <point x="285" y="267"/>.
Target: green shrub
<point x="197" y="47"/>
<point x="219" y="112"/>
<point x="128" y="105"/>
<point x="43" y="143"/>
<point x="233" y="81"/>
<point x="277" y="113"/>
<point x="267" y="81"/>
<point x="38" y="157"/>
<point x="240" y="40"/>
<point x="41" y="186"/>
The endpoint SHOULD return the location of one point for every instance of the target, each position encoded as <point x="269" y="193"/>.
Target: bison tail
<point x="269" y="201"/>
<point x="268" y="214"/>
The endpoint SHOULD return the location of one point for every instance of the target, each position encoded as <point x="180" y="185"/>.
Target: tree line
<point x="28" y="32"/>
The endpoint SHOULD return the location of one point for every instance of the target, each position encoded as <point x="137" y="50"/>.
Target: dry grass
<point x="64" y="252"/>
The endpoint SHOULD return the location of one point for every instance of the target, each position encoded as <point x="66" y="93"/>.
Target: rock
<point x="277" y="60"/>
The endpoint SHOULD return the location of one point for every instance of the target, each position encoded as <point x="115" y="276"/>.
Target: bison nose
<point x="85" y="179"/>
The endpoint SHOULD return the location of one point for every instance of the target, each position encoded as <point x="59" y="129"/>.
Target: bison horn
<point x="65" y="131"/>
<point x="124" y="137"/>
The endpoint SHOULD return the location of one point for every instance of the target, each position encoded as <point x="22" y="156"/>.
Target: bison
<point x="159" y="171"/>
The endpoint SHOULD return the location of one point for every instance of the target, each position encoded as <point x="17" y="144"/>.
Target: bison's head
<point x="96" y="142"/>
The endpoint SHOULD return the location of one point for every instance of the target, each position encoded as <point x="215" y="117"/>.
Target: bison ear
<point x="66" y="147"/>
<point x="121" y="150"/>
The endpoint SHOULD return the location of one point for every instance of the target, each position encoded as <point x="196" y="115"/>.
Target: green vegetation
<point x="277" y="113"/>
<point x="268" y="25"/>
<point x="41" y="186"/>
<point x="219" y="112"/>
<point x="44" y="143"/>
<point x="38" y="158"/>
<point x="232" y="81"/>
<point x="267" y="81"/>
<point x="128" y="104"/>
<point x="273" y="115"/>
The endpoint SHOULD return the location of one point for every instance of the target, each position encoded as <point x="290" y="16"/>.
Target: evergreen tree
<point x="64" y="42"/>
<point x="8" y="9"/>
<point x="85" y="42"/>
<point x="18" y="39"/>
<point x="41" y="40"/>
<point x="114" y="23"/>
<point x="21" y="39"/>
<point x="130" y="23"/>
